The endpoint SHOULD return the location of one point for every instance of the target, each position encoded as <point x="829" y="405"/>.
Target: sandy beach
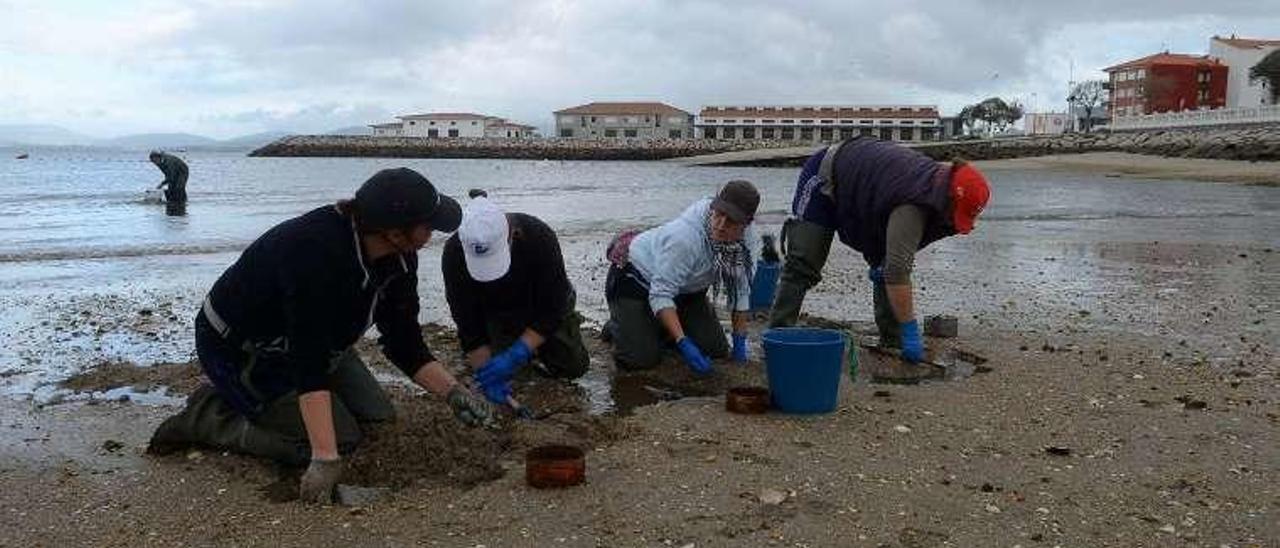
<point x="1141" y="408"/>
<point x="1120" y="164"/>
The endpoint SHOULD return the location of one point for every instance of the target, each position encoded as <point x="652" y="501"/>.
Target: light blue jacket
<point x="676" y="259"/>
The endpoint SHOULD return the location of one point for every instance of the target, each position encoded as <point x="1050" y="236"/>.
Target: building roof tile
<point x="1166" y="58"/>
<point x="598" y="108"/>
<point x="829" y="112"/>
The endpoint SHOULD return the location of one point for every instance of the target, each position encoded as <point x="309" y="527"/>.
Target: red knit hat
<point x="969" y="194"/>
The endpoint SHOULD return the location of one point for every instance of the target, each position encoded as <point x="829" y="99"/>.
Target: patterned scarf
<point x="730" y="263"/>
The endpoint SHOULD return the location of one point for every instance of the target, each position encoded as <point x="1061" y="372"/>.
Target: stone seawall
<point x="530" y="149"/>
<point x="1252" y="143"/>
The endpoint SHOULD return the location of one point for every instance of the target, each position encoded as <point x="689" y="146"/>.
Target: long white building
<point x="1240" y="55"/>
<point x="452" y="124"/>
<point x="820" y="123"/>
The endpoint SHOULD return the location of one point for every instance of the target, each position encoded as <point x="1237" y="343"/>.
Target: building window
<point x="433" y="132"/>
<point x="788" y="133"/>
<point x="809" y="122"/>
<point x="906" y="133"/>
<point x="826" y="134"/>
<point x="412" y="123"/>
<point x="886" y="133"/>
<point x="675" y="134"/>
<point x="785" y="121"/>
<point x="610" y="119"/>
<point x="431" y="123"/>
<point x="453" y="133"/>
<point x="473" y="122"/>
<point x="730" y="132"/>
<point x="766" y="121"/>
<point x="864" y="132"/>
<point x="806" y="134"/>
<point x="766" y="133"/>
<point x="748" y="133"/>
<point x="846" y="133"/>
<point x="610" y="133"/>
<point x="593" y="119"/>
<point x="926" y="134"/>
<point x="582" y="121"/>
<point x="452" y="123"/>
<point x="628" y="133"/>
<point x="748" y="121"/>
<point x="709" y="133"/>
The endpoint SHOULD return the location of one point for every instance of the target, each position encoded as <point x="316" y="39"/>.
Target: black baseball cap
<point x="739" y="200"/>
<point x="402" y="198"/>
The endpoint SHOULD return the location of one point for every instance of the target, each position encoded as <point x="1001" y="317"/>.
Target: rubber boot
<point x="806" y="247"/>
<point x="886" y="320"/>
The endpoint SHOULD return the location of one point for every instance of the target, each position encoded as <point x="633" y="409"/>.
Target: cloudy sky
<point x="230" y="67"/>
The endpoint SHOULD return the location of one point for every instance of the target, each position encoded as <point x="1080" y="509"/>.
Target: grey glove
<point x="470" y="409"/>
<point x="319" y="481"/>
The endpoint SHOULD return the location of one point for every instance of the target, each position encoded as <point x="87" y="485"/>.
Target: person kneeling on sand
<point x="275" y="335"/>
<point x="505" y="281"/>
<point x="885" y="201"/>
<point x="658" y="281"/>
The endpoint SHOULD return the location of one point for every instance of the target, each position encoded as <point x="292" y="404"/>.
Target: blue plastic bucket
<point x="764" y="284"/>
<point x="803" y="366"/>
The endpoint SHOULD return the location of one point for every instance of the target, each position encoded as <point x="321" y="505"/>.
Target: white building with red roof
<point x="1240" y="55"/>
<point x="452" y="124"/>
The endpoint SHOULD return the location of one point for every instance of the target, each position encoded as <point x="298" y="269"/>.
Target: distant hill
<point x="253" y="140"/>
<point x="350" y="130"/>
<point x="158" y="140"/>
<point x="40" y="135"/>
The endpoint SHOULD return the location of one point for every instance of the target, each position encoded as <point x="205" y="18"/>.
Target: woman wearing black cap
<point x="658" y="282"/>
<point x="275" y="333"/>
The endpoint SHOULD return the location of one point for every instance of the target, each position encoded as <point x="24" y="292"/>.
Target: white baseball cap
<point x="485" y="238"/>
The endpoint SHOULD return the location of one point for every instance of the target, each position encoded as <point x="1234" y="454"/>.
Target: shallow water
<point x="81" y="254"/>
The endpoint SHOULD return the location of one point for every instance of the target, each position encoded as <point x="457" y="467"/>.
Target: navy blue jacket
<point x="873" y="178"/>
<point x="306" y="286"/>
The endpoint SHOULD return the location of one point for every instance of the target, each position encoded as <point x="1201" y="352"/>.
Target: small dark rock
<point x="882" y="394"/>
<point x="1058" y="450"/>
<point x="987" y="488"/>
<point x="111" y="446"/>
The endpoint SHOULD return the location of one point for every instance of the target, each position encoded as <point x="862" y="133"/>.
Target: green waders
<point x="638" y="336"/>
<point x="278" y="433"/>
<point x="563" y="353"/>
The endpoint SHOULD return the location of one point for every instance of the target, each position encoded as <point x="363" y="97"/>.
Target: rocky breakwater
<point x="1257" y="143"/>
<point x="531" y="149"/>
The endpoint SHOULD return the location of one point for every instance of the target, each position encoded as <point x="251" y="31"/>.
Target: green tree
<point x="997" y="113"/>
<point x="1088" y="96"/>
<point x="1268" y="71"/>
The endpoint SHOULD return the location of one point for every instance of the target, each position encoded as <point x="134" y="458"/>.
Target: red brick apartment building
<point x="1167" y="82"/>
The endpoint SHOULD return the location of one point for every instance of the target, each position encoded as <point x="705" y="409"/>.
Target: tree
<point x="1087" y="96"/>
<point x="997" y="113"/>
<point x="1267" y="71"/>
<point x="969" y="117"/>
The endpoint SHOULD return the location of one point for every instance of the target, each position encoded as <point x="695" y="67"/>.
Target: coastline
<point x="1141" y="166"/>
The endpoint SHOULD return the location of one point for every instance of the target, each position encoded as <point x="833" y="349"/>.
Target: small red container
<point x="552" y="466"/>
<point x="747" y="400"/>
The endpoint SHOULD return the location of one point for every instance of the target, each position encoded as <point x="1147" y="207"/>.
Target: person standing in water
<point x="175" y="180"/>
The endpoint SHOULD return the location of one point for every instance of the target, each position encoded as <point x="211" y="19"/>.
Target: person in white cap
<point x="510" y="297"/>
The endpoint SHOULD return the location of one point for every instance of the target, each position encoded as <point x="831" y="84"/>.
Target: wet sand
<point x="1130" y="397"/>
<point x="1121" y="164"/>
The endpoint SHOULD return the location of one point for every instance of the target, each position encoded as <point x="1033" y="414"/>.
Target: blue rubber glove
<point x="499" y="392"/>
<point x="912" y="344"/>
<point x="693" y="357"/>
<point x="876" y="275"/>
<point x="740" y="347"/>
<point x="495" y="376"/>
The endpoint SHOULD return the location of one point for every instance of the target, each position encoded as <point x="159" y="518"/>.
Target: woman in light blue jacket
<point x="658" y="282"/>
